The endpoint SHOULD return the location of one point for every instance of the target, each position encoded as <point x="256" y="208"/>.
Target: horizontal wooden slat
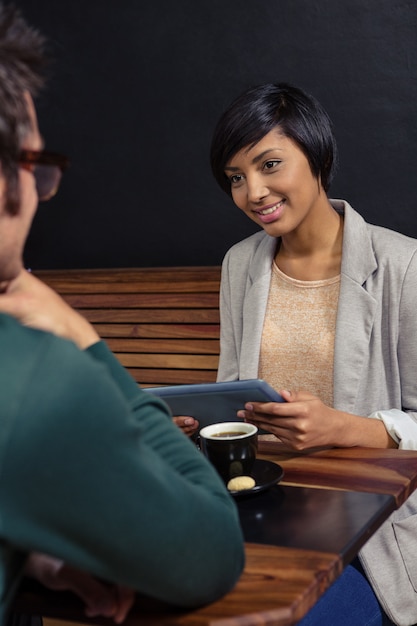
<point x="176" y="316"/>
<point x="168" y="331"/>
<point x="140" y="286"/>
<point x="155" y="377"/>
<point x="171" y="361"/>
<point x="122" y="279"/>
<point x="173" y="346"/>
<point x="143" y="300"/>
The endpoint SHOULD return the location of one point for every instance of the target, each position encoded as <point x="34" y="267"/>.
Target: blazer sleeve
<point x="402" y="424"/>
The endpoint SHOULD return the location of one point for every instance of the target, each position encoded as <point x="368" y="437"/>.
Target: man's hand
<point x="100" y="598"/>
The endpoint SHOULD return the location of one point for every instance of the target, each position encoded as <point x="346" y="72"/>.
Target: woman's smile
<point x="271" y="212"/>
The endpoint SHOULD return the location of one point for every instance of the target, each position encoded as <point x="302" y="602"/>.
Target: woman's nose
<point x="256" y="188"/>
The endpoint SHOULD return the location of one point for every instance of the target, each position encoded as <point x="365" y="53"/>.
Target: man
<point x="92" y="470"/>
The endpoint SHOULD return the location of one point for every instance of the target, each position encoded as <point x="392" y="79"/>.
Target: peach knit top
<point x="297" y="344"/>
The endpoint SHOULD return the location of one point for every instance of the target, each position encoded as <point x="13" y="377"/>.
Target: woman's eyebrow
<point x="260" y="156"/>
<point x="255" y="159"/>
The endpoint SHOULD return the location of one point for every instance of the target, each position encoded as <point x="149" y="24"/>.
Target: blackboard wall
<point x="136" y="89"/>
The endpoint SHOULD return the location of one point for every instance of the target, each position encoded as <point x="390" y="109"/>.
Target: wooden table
<point x="299" y="536"/>
<point x="355" y="469"/>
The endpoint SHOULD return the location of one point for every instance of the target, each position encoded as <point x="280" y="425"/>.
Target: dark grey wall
<point x="138" y="86"/>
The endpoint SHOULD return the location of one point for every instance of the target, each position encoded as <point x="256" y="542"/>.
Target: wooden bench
<point x="161" y="323"/>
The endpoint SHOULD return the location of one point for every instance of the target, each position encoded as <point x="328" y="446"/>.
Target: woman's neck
<point x="313" y="253"/>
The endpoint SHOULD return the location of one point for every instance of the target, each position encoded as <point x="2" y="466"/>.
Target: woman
<point x="323" y="306"/>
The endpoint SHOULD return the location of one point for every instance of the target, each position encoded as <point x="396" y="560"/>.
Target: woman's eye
<point x="269" y="165"/>
<point x="235" y="178"/>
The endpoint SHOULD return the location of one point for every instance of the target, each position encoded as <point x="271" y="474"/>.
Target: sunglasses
<point x="47" y="168"/>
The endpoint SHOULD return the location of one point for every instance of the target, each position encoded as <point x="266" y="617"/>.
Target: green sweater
<point x="93" y="471"/>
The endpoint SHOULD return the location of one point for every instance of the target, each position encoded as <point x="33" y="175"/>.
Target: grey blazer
<point x="375" y="364"/>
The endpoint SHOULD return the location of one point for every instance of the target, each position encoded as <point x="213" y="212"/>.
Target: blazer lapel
<point x="356" y="310"/>
<point x="255" y="303"/>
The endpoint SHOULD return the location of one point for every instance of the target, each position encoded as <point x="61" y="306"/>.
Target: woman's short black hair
<point x="259" y="110"/>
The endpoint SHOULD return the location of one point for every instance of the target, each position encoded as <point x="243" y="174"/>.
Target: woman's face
<point x="273" y="184"/>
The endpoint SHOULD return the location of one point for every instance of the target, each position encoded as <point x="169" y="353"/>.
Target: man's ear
<point x="32" y="114"/>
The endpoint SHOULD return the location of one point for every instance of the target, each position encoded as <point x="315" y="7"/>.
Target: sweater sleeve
<point x="101" y="352"/>
<point x="96" y="473"/>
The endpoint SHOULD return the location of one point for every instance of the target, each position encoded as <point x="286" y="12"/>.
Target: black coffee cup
<point x="231" y="447"/>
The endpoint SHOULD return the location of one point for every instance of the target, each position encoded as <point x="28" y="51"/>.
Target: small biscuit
<point x="240" y="482"/>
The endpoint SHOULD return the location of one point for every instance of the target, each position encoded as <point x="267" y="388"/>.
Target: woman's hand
<point x="36" y="305"/>
<point x="303" y="422"/>
<point x="101" y="599"/>
<point x="188" y="424"/>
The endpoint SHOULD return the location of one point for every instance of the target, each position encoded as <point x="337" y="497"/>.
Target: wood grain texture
<point x="161" y="345"/>
<point x="122" y="279"/>
<point x="161" y="323"/>
<point x="356" y="469"/>
<point x="149" y="377"/>
<point x="144" y="300"/>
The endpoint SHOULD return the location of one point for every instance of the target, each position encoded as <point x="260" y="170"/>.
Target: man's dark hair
<point x="21" y="65"/>
<point x="261" y="109"/>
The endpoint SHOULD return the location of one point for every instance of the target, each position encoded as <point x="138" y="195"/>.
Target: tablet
<point x="210" y="403"/>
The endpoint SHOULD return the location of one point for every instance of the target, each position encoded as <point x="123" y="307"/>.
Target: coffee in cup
<point x="231" y="447"/>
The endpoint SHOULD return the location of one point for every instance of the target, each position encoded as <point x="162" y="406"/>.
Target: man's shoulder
<point x="14" y="334"/>
<point x="29" y="352"/>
